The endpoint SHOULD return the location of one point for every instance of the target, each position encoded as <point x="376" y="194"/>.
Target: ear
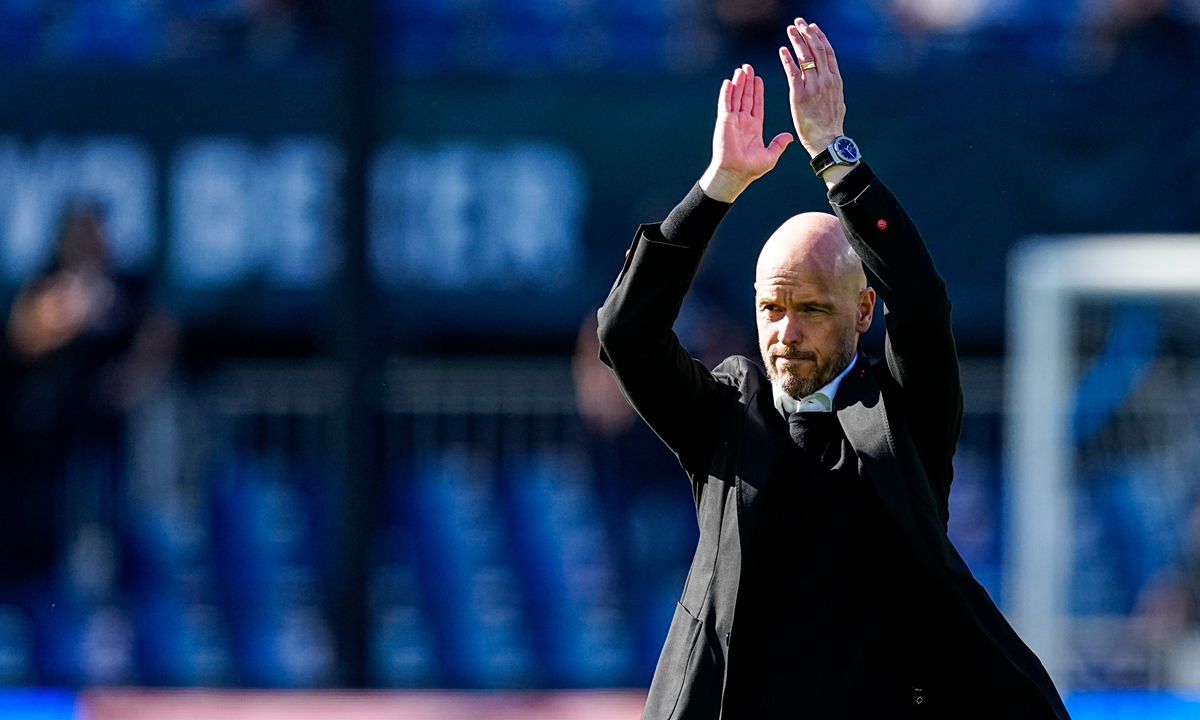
<point x="866" y="310"/>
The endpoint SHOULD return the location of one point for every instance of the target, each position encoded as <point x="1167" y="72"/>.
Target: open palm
<point x="740" y="155"/>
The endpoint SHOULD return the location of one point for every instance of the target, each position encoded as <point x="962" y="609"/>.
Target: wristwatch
<point x="842" y="151"/>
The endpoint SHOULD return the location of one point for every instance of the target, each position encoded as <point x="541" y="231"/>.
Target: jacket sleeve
<point x="919" y="349"/>
<point x="674" y="393"/>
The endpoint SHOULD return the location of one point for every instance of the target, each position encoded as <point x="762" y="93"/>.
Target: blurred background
<point x="299" y="385"/>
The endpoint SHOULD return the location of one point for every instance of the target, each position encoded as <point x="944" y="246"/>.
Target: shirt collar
<point x="820" y="401"/>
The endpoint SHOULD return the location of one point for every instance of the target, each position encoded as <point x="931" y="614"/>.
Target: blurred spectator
<point x="80" y="346"/>
<point x="708" y="333"/>
<point x="601" y="404"/>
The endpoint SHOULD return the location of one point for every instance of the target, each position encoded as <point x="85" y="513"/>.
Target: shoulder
<point x="893" y="394"/>
<point x="752" y="410"/>
<point x="744" y="374"/>
<point x="883" y="376"/>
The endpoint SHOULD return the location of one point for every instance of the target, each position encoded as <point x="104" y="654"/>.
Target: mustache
<point x="793" y="353"/>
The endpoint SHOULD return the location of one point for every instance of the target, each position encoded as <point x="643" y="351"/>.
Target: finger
<point x="814" y="46"/>
<point x="830" y="57"/>
<point x="739" y="89"/>
<point x="791" y="69"/>
<point x="748" y="95"/>
<point x="803" y="52"/>
<point x="724" y="102"/>
<point x="778" y="145"/>
<point x="759" y="97"/>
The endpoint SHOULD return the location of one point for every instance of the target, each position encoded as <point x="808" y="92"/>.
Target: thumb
<point x="778" y="145"/>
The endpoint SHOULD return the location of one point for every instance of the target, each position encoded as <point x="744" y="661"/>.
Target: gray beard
<point x="800" y="387"/>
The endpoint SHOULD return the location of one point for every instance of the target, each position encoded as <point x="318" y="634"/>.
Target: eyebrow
<point x="762" y="300"/>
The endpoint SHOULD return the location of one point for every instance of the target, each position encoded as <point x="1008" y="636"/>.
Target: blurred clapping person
<point x="80" y="347"/>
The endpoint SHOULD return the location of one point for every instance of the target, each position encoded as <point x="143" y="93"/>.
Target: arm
<point x="675" y="394"/>
<point x="919" y="346"/>
<point x="921" y="357"/>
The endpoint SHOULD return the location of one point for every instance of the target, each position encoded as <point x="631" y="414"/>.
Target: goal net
<point x="1102" y="571"/>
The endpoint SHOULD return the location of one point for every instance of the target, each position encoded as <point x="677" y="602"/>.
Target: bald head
<point x="811" y="244"/>
<point x="812" y="303"/>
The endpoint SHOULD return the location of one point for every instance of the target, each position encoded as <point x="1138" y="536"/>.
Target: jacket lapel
<point x="764" y="439"/>
<point x="863" y="416"/>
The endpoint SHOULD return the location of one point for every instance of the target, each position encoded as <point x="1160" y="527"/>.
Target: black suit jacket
<point x="902" y="416"/>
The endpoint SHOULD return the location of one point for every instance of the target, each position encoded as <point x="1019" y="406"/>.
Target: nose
<point x="789" y="331"/>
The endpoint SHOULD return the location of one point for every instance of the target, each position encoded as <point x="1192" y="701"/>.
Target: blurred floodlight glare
<point x="943" y="14"/>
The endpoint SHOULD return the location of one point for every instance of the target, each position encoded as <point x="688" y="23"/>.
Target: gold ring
<point x="807" y="65"/>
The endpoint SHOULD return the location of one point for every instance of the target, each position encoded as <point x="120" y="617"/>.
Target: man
<point x="81" y="344"/>
<point x="823" y="584"/>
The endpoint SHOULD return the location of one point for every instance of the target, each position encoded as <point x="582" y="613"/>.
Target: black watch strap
<point x="823" y="161"/>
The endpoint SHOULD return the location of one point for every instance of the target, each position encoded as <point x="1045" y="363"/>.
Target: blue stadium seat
<point x="270" y="578"/>
<point x="464" y="561"/>
<point x="567" y="559"/>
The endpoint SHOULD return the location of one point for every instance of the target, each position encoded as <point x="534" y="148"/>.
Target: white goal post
<point x="1047" y="278"/>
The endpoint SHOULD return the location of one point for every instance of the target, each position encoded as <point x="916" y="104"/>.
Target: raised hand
<point x="739" y="154"/>
<point x="818" y="105"/>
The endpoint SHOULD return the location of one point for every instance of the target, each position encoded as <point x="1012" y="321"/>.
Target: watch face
<point x="846" y="149"/>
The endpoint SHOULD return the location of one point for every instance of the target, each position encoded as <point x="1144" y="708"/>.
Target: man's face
<point x="809" y="319"/>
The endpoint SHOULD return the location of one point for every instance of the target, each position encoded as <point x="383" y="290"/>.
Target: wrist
<point x="835" y="174"/>
<point x="722" y="185"/>
<point x="818" y="144"/>
<point x="833" y="162"/>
